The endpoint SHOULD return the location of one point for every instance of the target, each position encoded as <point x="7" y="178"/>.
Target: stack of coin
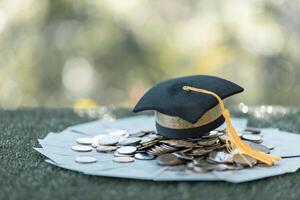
<point x="207" y="153"/>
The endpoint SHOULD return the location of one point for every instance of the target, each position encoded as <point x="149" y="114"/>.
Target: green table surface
<point x="25" y="175"/>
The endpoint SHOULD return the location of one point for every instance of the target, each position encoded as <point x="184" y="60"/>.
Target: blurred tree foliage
<point x="56" y="52"/>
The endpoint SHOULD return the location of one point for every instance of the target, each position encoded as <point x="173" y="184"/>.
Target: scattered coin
<point x="109" y="140"/>
<point x="211" y="134"/>
<point x="202" y="166"/>
<point x="199" y="152"/>
<point x="85" y="141"/>
<point x="116" y="154"/>
<point x="97" y="138"/>
<point x="144" y="156"/>
<point x="118" y="133"/>
<point x="127" y="150"/>
<point x="240" y="134"/>
<point x="95" y="144"/>
<point x="223" y="138"/>
<point x="138" y="134"/>
<point x="203" y="154"/>
<point x="149" y="138"/>
<point x="200" y="162"/>
<point x="208" y="141"/>
<point x="195" y="169"/>
<point x="85" y="159"/>
<point x="183" y="156"/>
<point x="129" y="141"/>
<point x="269" y="146"/>
<point x="198" y="159"/>
<point x="244" y="160"/>
<point x="252" y="138"/>
<point x="220" y="157"/>
<point x="177" y="143"/>
<point x="258" y="147"/>
<point x="161" y="149"/>
<point x="154" y="136"/>
<point x="169" y="160"/>
<point x="123" y="159"/>
<point x="103" y="148"/>
<point x="252" y="130"/>
<point x="81" y="148"/>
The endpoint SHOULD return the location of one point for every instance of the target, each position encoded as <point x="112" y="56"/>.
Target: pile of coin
<point x="207" y="153"/>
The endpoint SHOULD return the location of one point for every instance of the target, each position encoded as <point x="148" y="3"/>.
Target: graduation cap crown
<point x="185" y="114"/>
<point x="192" y="106"/>
<point x="169" y="98"/>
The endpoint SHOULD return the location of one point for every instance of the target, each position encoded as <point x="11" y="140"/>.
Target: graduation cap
<point x="192" y="106"/>
<point x="186" y="114"/>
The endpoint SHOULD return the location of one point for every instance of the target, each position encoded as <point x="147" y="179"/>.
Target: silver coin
<point x="81" y="148"/>
<point x="208" y="141"/>
<point x="252" y="130"/>
<point x="85" y="141"/>
<point x="269" y="146"/>
<point x="169" y="160"/>
<point x="198" y="159"/>
<point x="195" y="168"/>
<point x="183" y="156"/>
<point x="106" y="148"/>
<point x="129" y="141"/>
<point x="149" y="138"/>
<point x="252" y="138"/>
<point x="155" y="136"/>
<point x="244" y="160"/>
<point x="116" y="154"/>
<point x="109" y="140"/>
<point x="95" y="144"/>
<point x="211" y="134"/>
<point x="138" y="134"/>
<point x="199" y="152"/>
<point x="123" y="159"/>
<point x="258" y="147"/>
<point x="220" y="157"/>
<point x="240" y="134"/>
<point x="161" y="149"/>
<point x="97" y="138"/>
<point x="118" y="133"/>
<point x="146" y="139"/>
<point x="177" y="143"/>
<point x="85" y="159"/>
<point x="144" y="156"/>
<point x="127" y="150"/>
<point x="224" y="136"/>
<point x="220" y="133"/>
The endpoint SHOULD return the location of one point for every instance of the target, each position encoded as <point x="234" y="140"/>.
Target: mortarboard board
<point x="186" y="114"/>
<point x="190" y="107"/>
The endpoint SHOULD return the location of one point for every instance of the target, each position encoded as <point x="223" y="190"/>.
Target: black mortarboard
<point x="186" y="114"/>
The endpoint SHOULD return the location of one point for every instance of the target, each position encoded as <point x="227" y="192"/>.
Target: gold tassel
<point x="234" y="144"/>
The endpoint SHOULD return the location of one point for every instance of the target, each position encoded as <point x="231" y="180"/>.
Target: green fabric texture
<point x="25" y="175"/>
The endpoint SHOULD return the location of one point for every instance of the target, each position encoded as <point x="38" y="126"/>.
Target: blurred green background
<point x="74" y="52"/>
